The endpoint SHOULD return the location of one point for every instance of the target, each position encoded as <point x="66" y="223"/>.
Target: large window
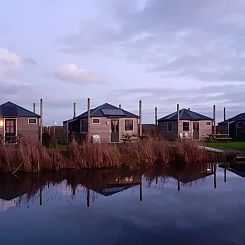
<point x="186" y="126"/>
<point x="129" y="125"/>
<point x="169" y="126"/>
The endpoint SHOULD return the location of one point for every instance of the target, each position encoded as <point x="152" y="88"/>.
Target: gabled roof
<point x="239" y="117"/>
<point x="106" y="110"/>
<point x="185" y="114"/>
<point x="10" y="109"/>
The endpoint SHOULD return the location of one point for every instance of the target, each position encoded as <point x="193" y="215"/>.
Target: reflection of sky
<point x="198" y="214"/>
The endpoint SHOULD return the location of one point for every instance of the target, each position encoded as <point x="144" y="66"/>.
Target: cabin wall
<point x="103" y="129"/>
<point x="204" y="129"/>
<point x="163" y="130"/>
<point x="29" y="131"/>
<point x="122" y="130"/>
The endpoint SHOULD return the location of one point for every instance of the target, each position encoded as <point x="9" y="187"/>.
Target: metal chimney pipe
<point x="214" y="118"/>
<point x="34" y="107"/>
<point x="140" y="117"/>
<point x="74" y="110"/>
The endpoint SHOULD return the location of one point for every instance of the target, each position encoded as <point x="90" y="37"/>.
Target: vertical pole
<point x="88" y="118"/>
<point x="88" y="197"/>
<point x="224" y="114"/>
<point x="74" y="110"/>
<point x="178" y="185"/>
<point x="34" y="107"/>
<point x="41" y="197"/>
<point x="140" y="117"/>
<point x="214" y="118"/>
<point x="177" y="121"/>
<point x="156" y="120"/>
<point x="141" y="194"/>
<point x="41" y="120"/>
<point x="215" y="184"/>
<point x="225" y="174"/>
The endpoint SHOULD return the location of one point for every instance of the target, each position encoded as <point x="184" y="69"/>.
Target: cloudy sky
<point x="164" y="52"/>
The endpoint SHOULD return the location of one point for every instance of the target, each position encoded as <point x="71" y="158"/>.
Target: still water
<point x="188" y="206"/>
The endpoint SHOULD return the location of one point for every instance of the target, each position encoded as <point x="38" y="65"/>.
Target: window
<point x="96" y="121"/>
<point x="82" y="122"/>
<point x="208" y="123"/>
<point x="129" y="125"/>
<point x="169" y="126"/>
<point x="32" y="121"/>
<point x="185" y="126"/>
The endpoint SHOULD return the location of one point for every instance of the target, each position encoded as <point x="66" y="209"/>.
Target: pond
<point x="204" y="205"/>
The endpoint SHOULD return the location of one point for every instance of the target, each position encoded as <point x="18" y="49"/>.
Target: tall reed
<point x="33" y="157"/>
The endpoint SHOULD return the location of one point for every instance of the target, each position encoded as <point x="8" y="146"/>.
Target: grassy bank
<point x="33" y="157"/>
<point x="233" y="145"/>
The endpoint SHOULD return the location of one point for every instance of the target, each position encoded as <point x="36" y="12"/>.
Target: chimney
<point x="224" y="114"/>
<point x="214" y="118"/>
<point x="120" y="106"/>
<point x="140" y="117"/>
<point x="74" y="110"/>
<point x="34" y="107"/>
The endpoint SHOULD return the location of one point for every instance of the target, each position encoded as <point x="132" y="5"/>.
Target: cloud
<point x="202" y="40"/>
<point x="72" y="74"/>
<point x="9" y="62"/>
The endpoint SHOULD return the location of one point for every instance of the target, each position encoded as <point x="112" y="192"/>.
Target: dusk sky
<point x="190" y="52"/>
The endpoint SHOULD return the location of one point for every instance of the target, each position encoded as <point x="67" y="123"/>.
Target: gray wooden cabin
<point x="191" y="125"/>
<point x="16" y="121"/>
<point x="234" y="126"/>
<point x="108" y="122"/>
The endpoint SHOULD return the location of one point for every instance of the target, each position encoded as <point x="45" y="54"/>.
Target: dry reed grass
<point x="33" y="157"/>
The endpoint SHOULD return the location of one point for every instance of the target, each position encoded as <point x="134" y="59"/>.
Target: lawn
<point x="236" y="145"/>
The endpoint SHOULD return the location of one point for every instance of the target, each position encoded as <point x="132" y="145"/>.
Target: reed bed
<point x="33" y="157"/>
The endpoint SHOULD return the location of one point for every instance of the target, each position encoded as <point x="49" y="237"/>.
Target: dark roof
<point x="10" y="109"/>
<point x="239" y="117"/>
<point x="106" y="110"/>
<point x="185" y="114"/>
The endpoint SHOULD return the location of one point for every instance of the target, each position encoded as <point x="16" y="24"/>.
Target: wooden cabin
<point x="234" y="126"/>
<point x="16" y="121"/>
<point x="191" y="125"/>
<point x="107" y="124"/>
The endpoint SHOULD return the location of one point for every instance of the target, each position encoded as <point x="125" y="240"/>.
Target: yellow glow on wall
<point x="1" y="123"/>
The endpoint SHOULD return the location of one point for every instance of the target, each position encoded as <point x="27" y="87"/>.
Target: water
<point x="190" y="206"/>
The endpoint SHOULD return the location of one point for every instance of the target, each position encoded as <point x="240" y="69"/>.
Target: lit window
<point x="129" y="125"/>
<point x="32" y="121"/>
<point x="185" y="126"/>
<point x="169" y="126"/>
<point x="96" y="121"/>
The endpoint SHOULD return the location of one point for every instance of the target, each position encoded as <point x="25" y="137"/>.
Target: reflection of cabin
<point x="16" y="121"/>
<point x="107" y="122"/>
<point x="234" y="126"/>
<point x="118" y="185"/>
<point x="191" y="125"/>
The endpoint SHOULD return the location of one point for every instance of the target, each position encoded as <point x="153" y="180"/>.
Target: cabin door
<point x="196" y="130"/>
<point x="10" y="130"/>
<point x="114" y="130"/>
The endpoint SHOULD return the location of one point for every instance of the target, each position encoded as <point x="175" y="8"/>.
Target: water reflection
<point x="15" y="189"/>
<point x="201" y="204"/>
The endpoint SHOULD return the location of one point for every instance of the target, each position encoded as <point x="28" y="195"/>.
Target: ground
<point x="234" y="145"/>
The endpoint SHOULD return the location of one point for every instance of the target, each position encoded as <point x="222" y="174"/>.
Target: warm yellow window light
<point x="1" y="122"/>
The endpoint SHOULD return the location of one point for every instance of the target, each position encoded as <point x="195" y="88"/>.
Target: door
<point x="196" y="130"/>
<point x="10" y="130"/>
<point x="114" y="130"/>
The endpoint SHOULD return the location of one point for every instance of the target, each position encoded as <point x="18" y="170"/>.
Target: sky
<point x="162" y="52"/>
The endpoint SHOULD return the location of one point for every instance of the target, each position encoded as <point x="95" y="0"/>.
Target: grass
<point x="234" y="145"/>
<point x="33" y="157"/>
